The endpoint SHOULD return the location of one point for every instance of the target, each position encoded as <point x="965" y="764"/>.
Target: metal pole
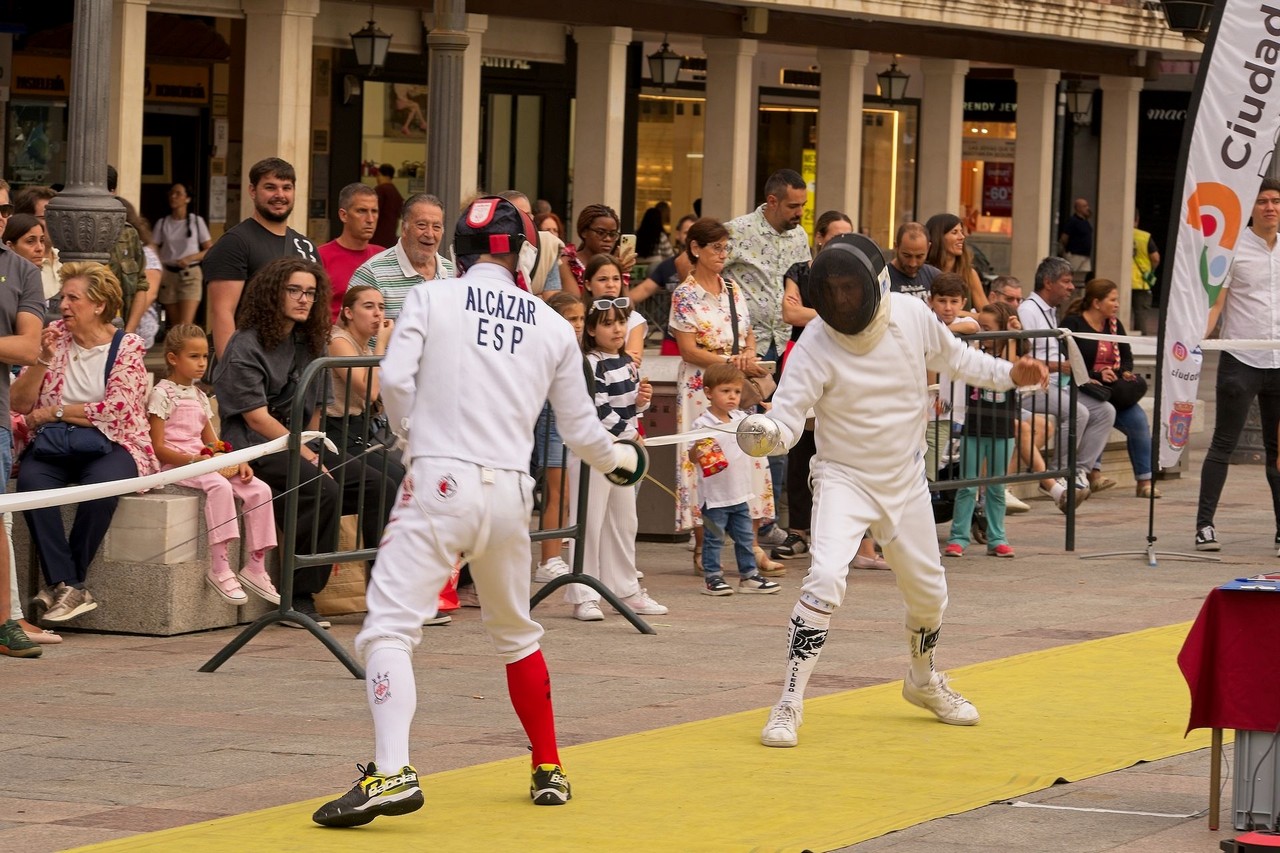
<point x="84" y="219"/>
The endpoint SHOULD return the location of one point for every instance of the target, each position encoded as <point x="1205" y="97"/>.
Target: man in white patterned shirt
<point x="414" y="258"/>
<point x="763" y="246"/>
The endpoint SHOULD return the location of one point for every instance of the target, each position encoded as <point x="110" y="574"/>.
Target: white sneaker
<point x="642" y="605"/>
<point x="937" y="697"/>
<point x="550" y="570"/>
<point x="775" y="536"/>
<point x="780" y="730"/>
<point x="588" y="611"/>
<point x="1012" y="505"/>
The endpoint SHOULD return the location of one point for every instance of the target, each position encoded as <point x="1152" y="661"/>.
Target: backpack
<point x="128" y="264"/>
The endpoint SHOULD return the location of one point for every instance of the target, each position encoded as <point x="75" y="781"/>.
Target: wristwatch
<point x="57" y="413"/>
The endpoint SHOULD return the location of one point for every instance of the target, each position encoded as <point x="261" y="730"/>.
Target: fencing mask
<point x="847" y="282"/>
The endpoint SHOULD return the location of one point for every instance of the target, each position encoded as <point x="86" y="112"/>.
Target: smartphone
<point x="627" y="244"/>
<point x="770" y="366"/>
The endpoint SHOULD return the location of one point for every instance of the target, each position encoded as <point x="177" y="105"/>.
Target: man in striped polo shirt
<point x="414" y="258"/>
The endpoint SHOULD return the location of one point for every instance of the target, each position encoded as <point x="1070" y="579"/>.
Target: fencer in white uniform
<point x="861" y="368"/>
<point x="466" y="372"/>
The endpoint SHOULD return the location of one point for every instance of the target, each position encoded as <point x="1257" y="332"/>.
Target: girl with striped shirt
<point x="609" y="543"/>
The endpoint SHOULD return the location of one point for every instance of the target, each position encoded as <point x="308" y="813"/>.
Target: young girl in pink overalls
<point x="182" y="434"/>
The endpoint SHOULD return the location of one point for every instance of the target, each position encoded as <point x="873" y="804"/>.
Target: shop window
<point x="986" y="191"/>
<point x="36" y="145"/>
<point x="669" y="143"/>
<point x="888" y="185"/>
<point x="394" y="130"/>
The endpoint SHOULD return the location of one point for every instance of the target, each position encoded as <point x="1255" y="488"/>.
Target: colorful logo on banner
<point x="1214" y="210"/>
<point x="1180" y="424"/>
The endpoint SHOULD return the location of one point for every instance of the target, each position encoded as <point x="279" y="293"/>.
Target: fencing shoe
<point x="374" y="794"/>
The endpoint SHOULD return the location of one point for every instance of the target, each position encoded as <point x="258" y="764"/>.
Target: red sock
<point x="529" y="686"/>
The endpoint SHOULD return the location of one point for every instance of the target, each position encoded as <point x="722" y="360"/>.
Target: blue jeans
<point x="736" y="522"/>
<point x="1137" y="432"/>
<point x="974" y="450"/>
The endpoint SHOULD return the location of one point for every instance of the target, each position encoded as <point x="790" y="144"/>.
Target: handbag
<point x="60" y="440"/>
<point x="1127" y="392"/>
<point x="1096" y="390"/>
<point x="758" y="388"/>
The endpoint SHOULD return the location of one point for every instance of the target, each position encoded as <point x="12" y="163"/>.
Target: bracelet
<point x="41" y="361"/>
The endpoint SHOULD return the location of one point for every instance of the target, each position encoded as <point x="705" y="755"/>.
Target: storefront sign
<point x="504" y="62"/>
<point x="997" y="189"/>
<point x="176" y="84"/>
<point x="218" y="199"/>
<point x="990" y="100"/>
<point x="49" y="76"/>
<point x="809" y="171"/>
<point x="988" y="149"/>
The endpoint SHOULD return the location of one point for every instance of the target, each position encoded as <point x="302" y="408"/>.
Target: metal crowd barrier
<point x="290" y="559"/>
<point x="940" y="431"/>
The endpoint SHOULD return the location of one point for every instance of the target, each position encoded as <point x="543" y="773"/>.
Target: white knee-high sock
<point x="922" y="642"/>
<point x="808" y="633"/>
<point x="393" y="699"/>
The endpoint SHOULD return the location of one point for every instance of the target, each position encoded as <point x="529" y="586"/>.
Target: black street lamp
<point x="1188" y="17"/>
<point x="664" y="65"/>
<point x="371" y="45"/>
<point x="893" y="83"/>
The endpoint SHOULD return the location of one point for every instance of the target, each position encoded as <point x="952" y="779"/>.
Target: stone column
<point x="83" y="219"/>
<point x="1033" y="171"/>
<point x="128" y="75"/>
<point x="941" y="129"/>
<point x="277" y="93"/>
<point x="727" y="175"/>
<point x="469" y="179"/>
<point x="840" y="131"/>
<point x="447" y="42"/>
<point x="1117" y="178"/>
<point x="598" y="124"/>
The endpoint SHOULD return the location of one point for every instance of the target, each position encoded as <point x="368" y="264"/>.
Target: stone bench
<point x="148" y="576"/>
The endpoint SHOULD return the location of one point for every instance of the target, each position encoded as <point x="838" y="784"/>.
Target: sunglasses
<point x="606" y="304"/>
<point x="6" y="210"/>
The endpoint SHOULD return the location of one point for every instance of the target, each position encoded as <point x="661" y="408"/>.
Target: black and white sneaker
<point x="716" y="586"/>
<point x="1207" y="539"/>
<point x="373" y="795"/>
<point x="793" y="546"/>
<point x="550" y="787"/>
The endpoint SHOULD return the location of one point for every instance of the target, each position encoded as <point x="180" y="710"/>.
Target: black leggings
<point x="799" y="495"/>
<point x="1238" y="384"/>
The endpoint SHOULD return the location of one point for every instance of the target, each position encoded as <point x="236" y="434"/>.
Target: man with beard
<point x="414" y="258"/>
<point x="908" y="272"/>
<point x="252" y="244"/>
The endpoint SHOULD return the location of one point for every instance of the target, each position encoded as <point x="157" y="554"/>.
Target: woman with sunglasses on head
<point x="181" y="239"/>
<point x="701" y="322"/>
<point x="598" y="230"/>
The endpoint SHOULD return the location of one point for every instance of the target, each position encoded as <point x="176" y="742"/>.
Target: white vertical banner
<point x="1233" y="120"/>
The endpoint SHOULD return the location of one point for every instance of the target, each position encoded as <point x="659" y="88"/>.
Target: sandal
<point x="766" y="566"/>
<point x="1146" y="490"/>
<point x="1100" y="483"/>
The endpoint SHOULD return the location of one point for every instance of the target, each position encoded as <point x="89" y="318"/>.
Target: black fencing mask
<point x="847" y="282"/>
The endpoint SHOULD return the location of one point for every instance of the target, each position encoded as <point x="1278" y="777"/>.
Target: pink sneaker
<point x="954" y="550"/>
<point x="259" y="583"/>
<point x="1000" y="551"/>
<point x="224" y="583"/>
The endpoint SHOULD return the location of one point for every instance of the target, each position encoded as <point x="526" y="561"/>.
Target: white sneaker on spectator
<point x="1012" y="505"/>
<point x="588" y="611"/>
<point x="642" y="605"/>
<point x="775" y="536"/>
<point x="550" y="570"/>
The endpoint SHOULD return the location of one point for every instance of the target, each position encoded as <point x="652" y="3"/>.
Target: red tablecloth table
<point x="1229" y="660"/>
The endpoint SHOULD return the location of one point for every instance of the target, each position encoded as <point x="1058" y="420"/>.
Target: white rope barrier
<point x="1146" y="344"/>
<point x="95" y="491"/>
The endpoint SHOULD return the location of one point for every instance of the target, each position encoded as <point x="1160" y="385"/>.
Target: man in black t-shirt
<point x="253" y="243"/>
<point x="908" y="273"/>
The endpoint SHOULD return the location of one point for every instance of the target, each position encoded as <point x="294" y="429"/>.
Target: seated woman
<point x="90" y="377"/>
<point x="1111" y="364"/>
<point x="283" y="325"/>
<point x="351" y="418"/>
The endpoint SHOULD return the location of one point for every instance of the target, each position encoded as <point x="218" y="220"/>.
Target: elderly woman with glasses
<point x="701" y="322"/>
<point x="598" y="231"/>
<point x="84" y="400"/>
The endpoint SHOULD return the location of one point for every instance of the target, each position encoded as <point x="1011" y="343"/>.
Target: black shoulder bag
<point x="61" y="440"/>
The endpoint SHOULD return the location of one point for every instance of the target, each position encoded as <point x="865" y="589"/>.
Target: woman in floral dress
<point x="700" y="322"/>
